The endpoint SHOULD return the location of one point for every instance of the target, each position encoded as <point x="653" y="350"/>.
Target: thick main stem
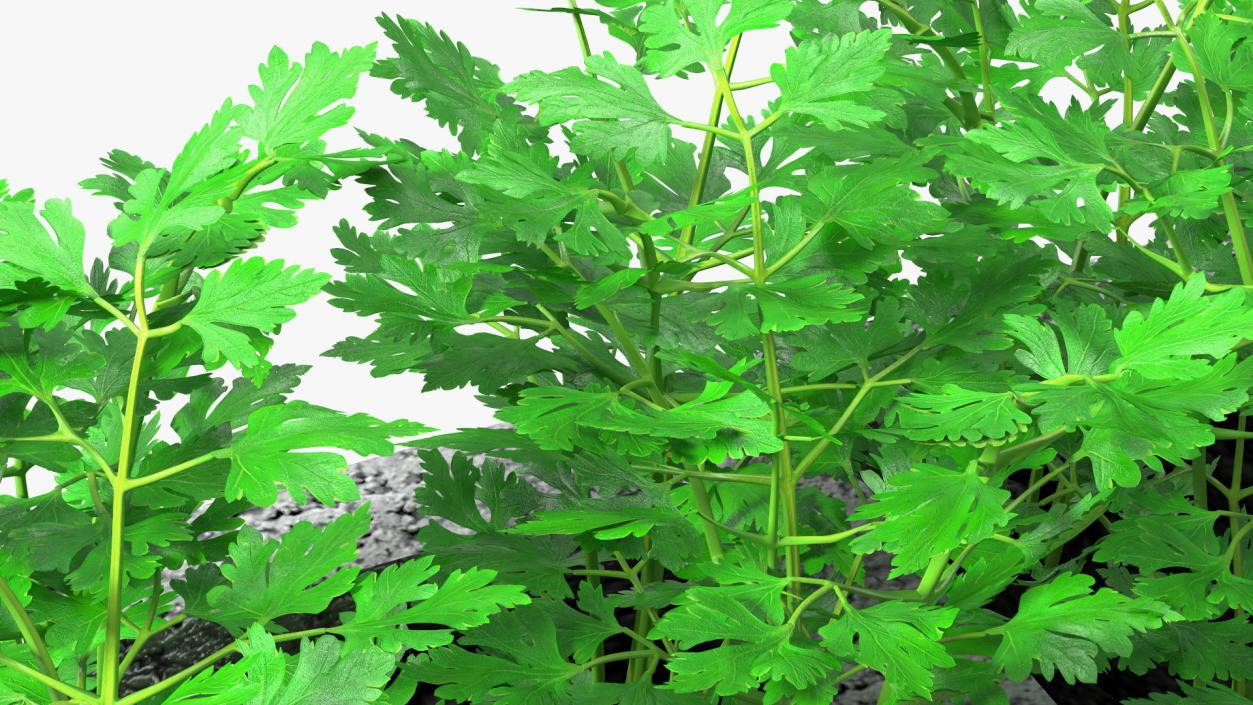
<point x="111" y="653"/>
<point x="783" y="487"/>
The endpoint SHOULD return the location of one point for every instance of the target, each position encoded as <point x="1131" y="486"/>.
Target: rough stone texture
<point x="388" y="485"/>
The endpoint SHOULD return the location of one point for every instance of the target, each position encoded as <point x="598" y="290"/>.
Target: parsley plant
<point x="89" y="361"/>
<point x="681" y="335"/>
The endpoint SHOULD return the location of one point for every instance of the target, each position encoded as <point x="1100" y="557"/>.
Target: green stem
<point x="796" y="249"/>
<point x="579" y="29"/>
<point x="253" y="172"/>
<point x="175" y="469"/>
<point x="820" y="447"/>
<point x="804" y="604"/>
<point x="765" y="124"/>
<point x="619" y="656"/>
<point x="970" y="109"/>
<point x="643" y="641"/>
<point x="111" y="651"/>
<point x="988" y="104"/>
<point x="931" y="577"/>
<point x="1155" y="96"/>
<point x="704" y="475"/>
<point x="52" y="683"/>
<point x="117" y="313"/>
<point x="700" y="495"/>
<point x="709" y="129"/>
<point x="616" y="375"/>
<point x="905" y="595"/>
<point x="1234" y="492"/>
<point x="707" y="146"/>
<point x="596" y="572"/>
<point x="740" y="533"/>
<point x="66" y="434"/>
<point x="1035" y="487"/>
<point x="825" y="539"/>
<point x="751" y="83"/>
<point x="1072" y="379"/>
<point x="1233" y="551"/>
<point x="30" y="633"/>
<point x="818" y="387"/>
<point x="783" y="490"/>
<point x="1235" y="225"/>
<point x="146" y="632"/>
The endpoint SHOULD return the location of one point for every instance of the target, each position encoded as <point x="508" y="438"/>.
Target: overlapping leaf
<point x="296" y="104"/>
<point x="930" y="510"/>
<point x="1062" y="627"/>
<point x="250" y="294"/>
<point x="300" y="574"/>
<point x="28" y="249"/>
<point x="617" y="120"/>
<point x="387" y="602"/>
<point x="898" y="639"/>
<point x="266" y="456"/>
<point x="822" y="78"/>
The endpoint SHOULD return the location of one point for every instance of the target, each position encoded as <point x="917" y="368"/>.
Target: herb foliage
<point x="96" y="363"/>
<point x="680" y="334"/>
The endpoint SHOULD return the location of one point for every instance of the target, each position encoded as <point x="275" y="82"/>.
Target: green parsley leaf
<point x="1222" y="50"/>
<point x="874" y="203"/>
<point x="555" y="416"/>
<point x="28" y="250"/>
<point x="961" y="415"/>
<point x="929" y="510"/>
<point x="898" y="639"/>
<point x="1162" y="343"/>
<point x="1191" y="193"/>
<point x="613" y="121"/>
<point x="1076" y="146"/>
<point x="1086" y="335"/>
<point x="759" y="651"/>
<point x="788" y="305"/>
<point x="252" y="293"/>
<point x="300" y="574"/>
<point x="675" y="43"/>
<point x="1190" y="647"/>
<point x="528" y="194"/>
<point x="460" y="91"/>
<point x="389" y="601"/>
<point x="1056" y="32"/>
<point x="819" y="76"/>
<point x="1064" y="627"/>
<point x="294" y="105"/>
<point x="324" y="671"/>
<point x="263" y="456"/>
<point x="520" y="663"/>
